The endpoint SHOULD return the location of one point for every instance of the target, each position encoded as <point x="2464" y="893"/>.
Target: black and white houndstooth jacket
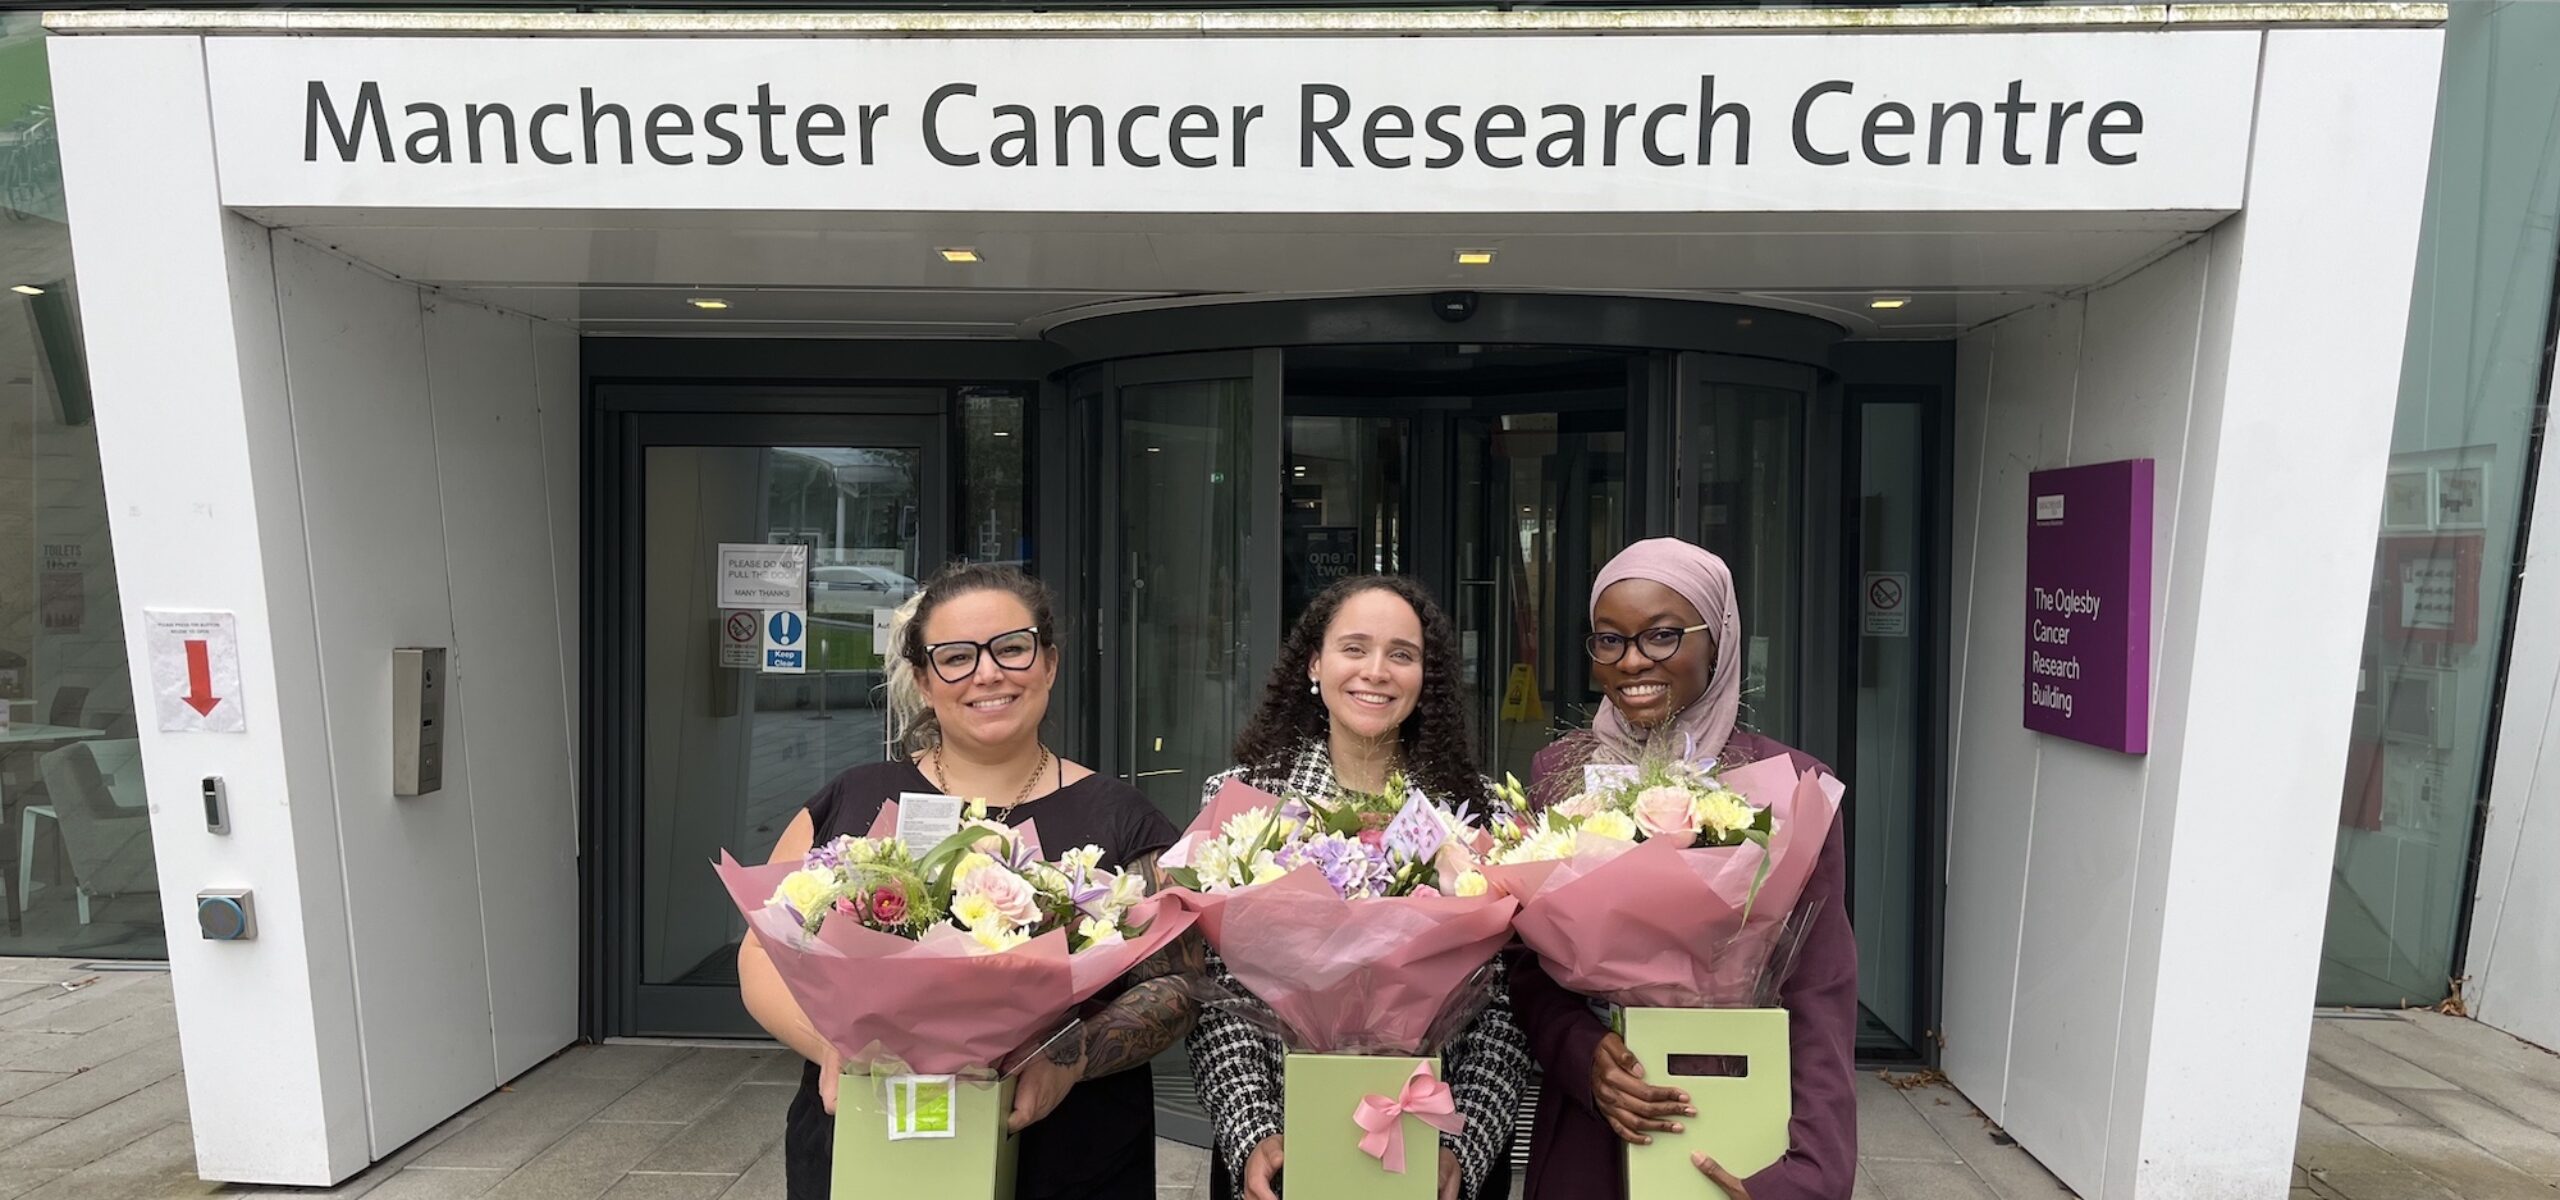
<point x="1237" y="1064"/>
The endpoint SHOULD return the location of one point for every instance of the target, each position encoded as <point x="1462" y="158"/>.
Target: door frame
<point x="625" y="421"/>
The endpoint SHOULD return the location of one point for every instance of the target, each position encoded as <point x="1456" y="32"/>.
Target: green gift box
<point x="1736" y="1067"/>
<point x="923" y="1135"/>
<point x="1318" y="1095"/>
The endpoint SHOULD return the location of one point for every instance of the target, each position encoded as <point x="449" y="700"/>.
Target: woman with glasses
<point x="1366" y="687"/>
<point x="1665" y="652"/>
<point x="976" y="655"/>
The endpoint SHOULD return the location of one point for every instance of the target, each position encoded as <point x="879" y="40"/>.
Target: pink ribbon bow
<point x="1425" y="1099"/>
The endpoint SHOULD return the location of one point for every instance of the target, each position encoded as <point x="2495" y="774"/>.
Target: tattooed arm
<point x="1154" y="1012"/>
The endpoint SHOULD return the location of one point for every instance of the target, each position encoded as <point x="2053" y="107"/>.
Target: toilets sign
<point x="2089" y="604"/>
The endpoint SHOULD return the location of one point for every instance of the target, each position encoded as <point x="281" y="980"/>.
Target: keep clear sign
<point x="756" y="575"/>
<point x="195" y="671"/>
<point x="786" y="642"/>
<point x="2089" y="604"/>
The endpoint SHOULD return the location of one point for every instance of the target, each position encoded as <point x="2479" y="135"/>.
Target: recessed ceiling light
<point x="708" y="303"/>
<point x="1888" y="301"/>
<point x="1155" y="449"/>
<point x="1742" y="322"/>
<point x="1475" y="258"/>
<point x="957" y="254"/>
<point x="27" y="289"/>
<point x="1004" y="433"/>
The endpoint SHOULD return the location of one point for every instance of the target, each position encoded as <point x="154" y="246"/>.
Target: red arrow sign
<point x="200" y="695"/>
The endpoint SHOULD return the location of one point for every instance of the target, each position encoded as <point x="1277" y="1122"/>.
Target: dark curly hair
<point x="1440" y="757"/>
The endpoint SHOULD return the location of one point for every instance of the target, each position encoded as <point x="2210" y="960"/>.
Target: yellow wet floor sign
<point x="1520" y="699"/>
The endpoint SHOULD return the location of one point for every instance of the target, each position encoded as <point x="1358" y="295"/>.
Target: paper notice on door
<point x="881" y="620"/>
<point x="926" y="820"/>
<point x="755" y="575"/>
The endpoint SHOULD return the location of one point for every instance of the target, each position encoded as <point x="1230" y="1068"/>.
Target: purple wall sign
<point x="2089" y="604"/>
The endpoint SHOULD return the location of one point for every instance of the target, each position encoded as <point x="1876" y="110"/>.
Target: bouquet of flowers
<point x="1668" y="893"/>
<point x="1665" y="798"/>
<point x="1364" y="927"/>
<point x="986" y="883"/>
<point x="1664" y="883"/>
<point x="1394" y="842"/>
<point x="925" y="968"/>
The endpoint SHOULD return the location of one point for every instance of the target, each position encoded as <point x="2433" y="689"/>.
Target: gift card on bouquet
<point x="1736" y="1066"/>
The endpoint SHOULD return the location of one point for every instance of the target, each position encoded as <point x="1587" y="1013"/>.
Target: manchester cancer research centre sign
<point x="2123" y="121"/>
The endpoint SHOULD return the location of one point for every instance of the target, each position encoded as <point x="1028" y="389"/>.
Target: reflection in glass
<point x="731" y="754"/>
<point x="1185" y="470"/>
<point x="1345" y="513"/>
<point x="2471" y="392"/>
<point x="77" y="875"/>
<point x="994" y="448"/>
<point x="1542" y="501"/>
<point x="1751" y="496"/>
<point x="1884" y="826"/>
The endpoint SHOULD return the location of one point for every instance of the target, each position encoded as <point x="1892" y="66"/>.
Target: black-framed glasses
<point x="1657" y="643"/>
<point x="1015" y="651"/>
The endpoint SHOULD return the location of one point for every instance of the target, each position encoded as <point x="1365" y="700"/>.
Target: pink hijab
<point x="1706" y="583"/>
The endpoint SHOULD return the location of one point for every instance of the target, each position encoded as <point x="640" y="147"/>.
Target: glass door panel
<point x="1892" y="732"/>
<point x="728" y="754"/>
<point x="1186" y="510"/>
<point x="1745" y="449"/>
<point x="1542" y="507"/>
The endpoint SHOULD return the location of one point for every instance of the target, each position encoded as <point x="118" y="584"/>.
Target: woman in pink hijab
<point x="1666" y="651"/>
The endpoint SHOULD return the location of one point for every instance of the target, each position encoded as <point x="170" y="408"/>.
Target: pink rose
<point x="889" y="906"/>
<point x="845" y="905"/>
<point x="1579" y="806"/>
<point x="1012" y="895"/>
<point x="1426" y="892"/>
<point x="1664" y="812"/>
<point x="1373" y="837"/>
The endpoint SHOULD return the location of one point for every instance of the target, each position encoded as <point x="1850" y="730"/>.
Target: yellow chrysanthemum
<point x="806" y="891"/>
<point x="976" y="913"/>
<point x="1722" y="813"/>
<point x="998" y="937"/>
<point x="1610" y="823"/>
<point x="1469" y="884"/>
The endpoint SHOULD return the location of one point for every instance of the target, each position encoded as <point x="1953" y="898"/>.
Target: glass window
<point x="1185" y="470"/>
<point x="1884" y="893"/>
<point x="2469" y="401"/>
<point x="1345" y="510"/>
<point x="76" y="869"/>
<point x="992" y="526"/>
<point x="732" y="753"/>
<point x="1748" y="444"/>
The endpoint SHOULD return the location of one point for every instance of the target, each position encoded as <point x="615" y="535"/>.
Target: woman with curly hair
<point x="1365" y="688"/>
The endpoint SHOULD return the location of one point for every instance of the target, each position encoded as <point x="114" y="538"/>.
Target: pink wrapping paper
<point x="941" y="1006"/>
<point x="1658" y="925"/>
<point x="1345" y="976"/>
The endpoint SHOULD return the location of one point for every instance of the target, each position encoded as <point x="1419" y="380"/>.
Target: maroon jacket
<point x="1573" y="1153"/>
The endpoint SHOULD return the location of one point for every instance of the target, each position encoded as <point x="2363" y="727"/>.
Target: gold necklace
<point x="943" y="780"/>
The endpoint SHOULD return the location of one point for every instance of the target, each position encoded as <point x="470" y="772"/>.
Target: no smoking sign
<point x="1888" y="604"/>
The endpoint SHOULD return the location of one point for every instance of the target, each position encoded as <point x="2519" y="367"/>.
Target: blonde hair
<point x="912" y="726"/>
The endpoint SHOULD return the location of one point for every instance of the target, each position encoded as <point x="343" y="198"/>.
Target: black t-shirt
<point x="1099" y="1143"/>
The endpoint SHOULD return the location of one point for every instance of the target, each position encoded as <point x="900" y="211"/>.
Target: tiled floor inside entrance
<point x="93" y="1107"/>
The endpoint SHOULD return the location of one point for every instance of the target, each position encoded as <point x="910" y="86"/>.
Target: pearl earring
<point x="1312" y="689"/>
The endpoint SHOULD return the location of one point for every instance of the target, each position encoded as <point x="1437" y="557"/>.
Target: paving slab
<point x="1890" y="1130"/>
<point x="2334" y="1041"/>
